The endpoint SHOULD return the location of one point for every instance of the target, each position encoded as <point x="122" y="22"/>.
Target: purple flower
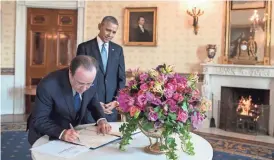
<point x="158" y="124"/>
<point x="152" y="116"/>
<point x="180" y="79"/>
<point x="196" y="119"/>
<point x="151" y="98"/>
<point x="141" y="100"/>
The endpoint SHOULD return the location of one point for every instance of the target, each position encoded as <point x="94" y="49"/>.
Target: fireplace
<point x="259" y="79"/>
<point x="244" y="110"/>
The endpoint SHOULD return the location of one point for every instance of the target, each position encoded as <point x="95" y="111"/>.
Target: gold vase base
<point x="154" y="149"/>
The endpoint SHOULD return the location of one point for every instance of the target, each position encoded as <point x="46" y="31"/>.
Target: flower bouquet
<point x="161" y="104"/>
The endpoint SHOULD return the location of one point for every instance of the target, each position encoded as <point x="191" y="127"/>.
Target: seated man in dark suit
<point x="63" y="98"/>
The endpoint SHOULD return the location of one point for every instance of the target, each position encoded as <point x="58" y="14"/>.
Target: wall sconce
<point x="257" y="21"/>
<point x="195" y="13"/>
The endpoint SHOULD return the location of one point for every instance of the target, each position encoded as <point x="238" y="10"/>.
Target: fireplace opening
<point x="244" y="110"/>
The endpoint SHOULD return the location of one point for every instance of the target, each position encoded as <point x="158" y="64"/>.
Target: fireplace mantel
<point x="239" y="70"/>
<point x="243" y="76"/>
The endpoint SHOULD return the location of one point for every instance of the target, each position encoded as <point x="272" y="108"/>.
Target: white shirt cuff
<point x="100" y="119"/>
<point x="61" y="134"/>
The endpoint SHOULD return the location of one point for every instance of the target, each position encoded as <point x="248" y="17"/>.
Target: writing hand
<point x="70" y="135"/>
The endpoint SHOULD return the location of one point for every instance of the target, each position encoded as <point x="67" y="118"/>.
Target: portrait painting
<point x="248" y="4"/>
<point x="140" y="26"/>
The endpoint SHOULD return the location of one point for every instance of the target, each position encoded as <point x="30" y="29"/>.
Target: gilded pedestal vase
<point x="155" y="139"/>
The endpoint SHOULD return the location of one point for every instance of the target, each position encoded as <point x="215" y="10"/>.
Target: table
<point x="134" y="151"/>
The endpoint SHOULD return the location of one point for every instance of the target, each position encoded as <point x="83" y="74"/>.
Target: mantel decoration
<point x="163" y="105"/>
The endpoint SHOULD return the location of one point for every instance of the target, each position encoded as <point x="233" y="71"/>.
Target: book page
<point x="114" y="131"/>
<point x="91" y="139"/>
<point x="60" y="149"/>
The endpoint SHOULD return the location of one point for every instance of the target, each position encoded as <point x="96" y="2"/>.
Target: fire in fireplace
<point x="246" y="107"/>
<point x="244" y="110"/>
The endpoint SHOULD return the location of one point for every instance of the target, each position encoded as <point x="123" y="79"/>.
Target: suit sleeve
<point x="41" y="114"/>
<point x="81" y="50"/>
<point x="121" y="72"/>
<point x="95" y="108"/>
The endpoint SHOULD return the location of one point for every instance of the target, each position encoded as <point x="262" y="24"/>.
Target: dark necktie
<point x="77" y="102"/>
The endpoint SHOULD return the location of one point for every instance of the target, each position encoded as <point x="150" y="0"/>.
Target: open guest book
<point x="89" y="137"/>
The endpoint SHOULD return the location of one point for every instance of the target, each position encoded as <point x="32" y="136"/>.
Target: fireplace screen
<point x="244" y="110"/>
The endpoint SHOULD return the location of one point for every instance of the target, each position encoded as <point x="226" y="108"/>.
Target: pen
<point x="71" y="127"/>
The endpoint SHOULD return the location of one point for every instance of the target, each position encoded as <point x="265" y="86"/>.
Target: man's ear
<point x="99" y="26"/>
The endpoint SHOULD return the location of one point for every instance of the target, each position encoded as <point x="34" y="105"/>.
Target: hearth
<point x="244" y="110"/>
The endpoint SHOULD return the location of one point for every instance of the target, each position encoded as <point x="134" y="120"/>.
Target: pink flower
<point x="180" y="87"/>
<point x="143" y="77"/>
<point x="173" y="108"/>
<point x="144" y="87"/>
<point x="182" y="116"/>
<point x="170" y="86"/>
<point x="170" y="102"/>
<point x="125" y="101"/>
<point x="132" y="83"/>
<point x="168" y="93"/>
<point x="178" y="97"/>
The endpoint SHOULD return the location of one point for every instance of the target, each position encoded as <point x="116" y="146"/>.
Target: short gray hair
<point x="88" y="62"/>
<point x="109" y="19"/>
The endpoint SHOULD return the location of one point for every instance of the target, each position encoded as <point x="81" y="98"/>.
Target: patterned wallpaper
<point x="177" y="44"/>
<point x="7" y="34"/>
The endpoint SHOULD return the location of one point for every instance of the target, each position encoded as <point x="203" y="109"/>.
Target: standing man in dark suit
<point x="110" y="77"/>
<point x="62" y="99"/>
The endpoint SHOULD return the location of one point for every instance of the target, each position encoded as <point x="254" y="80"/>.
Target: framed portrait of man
<point x="140" y="26"/>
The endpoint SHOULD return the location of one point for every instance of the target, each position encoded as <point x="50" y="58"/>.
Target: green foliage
<point x="127" y="129"/>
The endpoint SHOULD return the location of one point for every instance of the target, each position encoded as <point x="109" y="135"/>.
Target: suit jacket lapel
<point x="97" y="55"/>
<point x="110" y="57"/>
<point x="68" y="95"/>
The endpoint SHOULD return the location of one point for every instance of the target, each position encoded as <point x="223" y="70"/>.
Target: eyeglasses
<point x="83" y="84"/>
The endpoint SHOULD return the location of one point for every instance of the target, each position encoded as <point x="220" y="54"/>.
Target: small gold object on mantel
<point x="153" y="148"/>
<point x="244" y="55"/>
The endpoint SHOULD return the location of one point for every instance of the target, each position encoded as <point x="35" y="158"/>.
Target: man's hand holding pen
<point x="70" y="135"/>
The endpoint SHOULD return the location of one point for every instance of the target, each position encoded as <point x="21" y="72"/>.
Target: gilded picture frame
<point x="240" y="5"/>
<point x="140" y="26"/>
<point x="265" y="57"/>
